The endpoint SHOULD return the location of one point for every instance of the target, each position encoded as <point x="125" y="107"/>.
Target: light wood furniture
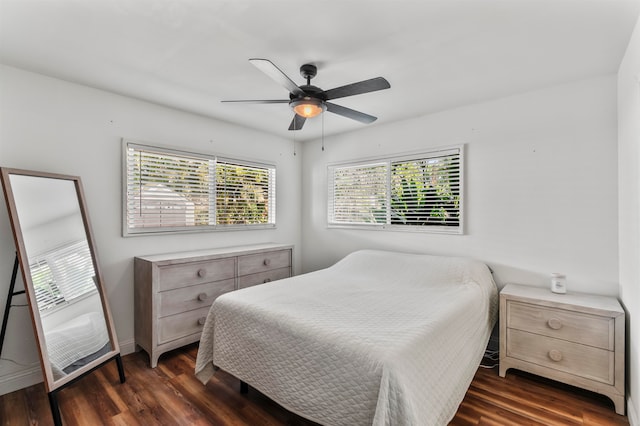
<point x="574" y="338"/>
<point x="173" y="292"/>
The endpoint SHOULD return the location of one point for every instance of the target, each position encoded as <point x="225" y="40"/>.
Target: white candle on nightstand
<point x="558" y="283"/>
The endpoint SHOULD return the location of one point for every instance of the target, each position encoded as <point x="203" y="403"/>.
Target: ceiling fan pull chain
<point x="323" y="132"/>
<point x="294" y="137"/>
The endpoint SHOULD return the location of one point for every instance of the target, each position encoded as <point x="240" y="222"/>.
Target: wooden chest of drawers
<point x="573" y="338"/>
<point x="173" y="292"/>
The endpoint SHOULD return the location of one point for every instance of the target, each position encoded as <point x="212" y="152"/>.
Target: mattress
<point x="378" y="338"/>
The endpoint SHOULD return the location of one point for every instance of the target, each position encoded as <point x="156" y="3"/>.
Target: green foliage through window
<point x="422" y="190"/>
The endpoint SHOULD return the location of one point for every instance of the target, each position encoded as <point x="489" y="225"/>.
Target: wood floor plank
<point x="526" y="405"/>
<point x="14" y="405"/>
<point x="107" y="386"/>
<point x="171" y="395"/>
<point x="485" y="409"/>
<point x="596" y="418"/>
<point x="125" y="418"/>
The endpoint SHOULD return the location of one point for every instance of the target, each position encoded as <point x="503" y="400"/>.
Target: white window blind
<point x="418" y="191"/>
<point x="60" y="276"/>
<point x="170" y="190"/>
<point x="358" y="194"/>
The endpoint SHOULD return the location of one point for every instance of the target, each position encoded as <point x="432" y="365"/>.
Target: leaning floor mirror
<point x="56" y="253"/>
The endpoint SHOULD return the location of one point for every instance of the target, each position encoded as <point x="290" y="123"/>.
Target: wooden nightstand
<point x="574" y="338"/>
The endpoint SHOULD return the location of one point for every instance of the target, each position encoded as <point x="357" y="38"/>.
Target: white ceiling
<point x="436" y="54"/>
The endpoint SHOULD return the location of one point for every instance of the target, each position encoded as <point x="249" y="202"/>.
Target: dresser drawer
<point x="573" y="358"/>
<point x="254" y="263"/>
<point x="263" y="277"/>
<point x="181" y="325"/>
<point x="173" y="292"/>
<point x="192" y="297"/>
<point x="575" y="327"/>
<point x="186" y="274"/>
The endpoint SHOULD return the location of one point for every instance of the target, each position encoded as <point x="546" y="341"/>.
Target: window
<point x="170" y="190"/>
<point x="413" y="192"/>
<point x="63" y="275"/>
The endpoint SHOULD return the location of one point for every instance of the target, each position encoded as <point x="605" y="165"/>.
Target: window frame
<point x="212" y="227"/>
<point x="389" y="160"/>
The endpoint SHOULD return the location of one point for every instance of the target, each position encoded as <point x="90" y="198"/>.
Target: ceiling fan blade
<point x="365" y="86"/>
<point x="268" y="67"/>
<point x="350" y="113"/>
<point x="297" y="122"/>
<point x="260" y="101"/>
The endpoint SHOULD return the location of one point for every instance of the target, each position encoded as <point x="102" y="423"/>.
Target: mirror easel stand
<point x="5" y="318"/>
<point x="52" y="395"/>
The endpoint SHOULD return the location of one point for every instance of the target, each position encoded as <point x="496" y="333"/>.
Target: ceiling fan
<point x="308" y="101"/>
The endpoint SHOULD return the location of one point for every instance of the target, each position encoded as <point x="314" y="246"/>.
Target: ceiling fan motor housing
<point x="308" y="71"/>
<point x="310" y="91"/>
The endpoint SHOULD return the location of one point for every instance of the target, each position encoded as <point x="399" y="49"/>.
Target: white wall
<point x="540" y="186"/>
<point x="53" y="234"/>
<point x="629" y="211"/>
<point x="51" y="125"/>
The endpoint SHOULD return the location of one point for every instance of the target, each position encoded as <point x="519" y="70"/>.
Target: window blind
<point x="358" y="194"/>
<point x="170" y="190"/>
<point x="62" y="275"/>
<point x="421" y="190"/>
<point x="245" y="194"/>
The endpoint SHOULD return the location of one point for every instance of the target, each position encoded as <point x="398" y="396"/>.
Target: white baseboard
<point x="127" y="347"/>
<point x="20" y="379"/>
<point x="14" y="381"/>
<point x="631" y="413"/>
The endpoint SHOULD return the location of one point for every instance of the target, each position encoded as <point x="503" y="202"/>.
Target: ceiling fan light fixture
<point x="308" y="107"/>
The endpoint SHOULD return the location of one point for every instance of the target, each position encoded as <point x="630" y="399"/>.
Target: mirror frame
<point x="51" y="383"/>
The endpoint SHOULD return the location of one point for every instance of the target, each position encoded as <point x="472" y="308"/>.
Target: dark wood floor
<point x="171" y="395"/>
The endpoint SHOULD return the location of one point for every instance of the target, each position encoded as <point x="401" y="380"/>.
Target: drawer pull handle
<point x="202" y="273"/>
<point x="267" y="280"/>
<point x="201" y="320"/>
<point x="267" y="262"/>
<point x="202" y="297"/>
<point x="555" y="355"/>
<point x="554" y="323"/>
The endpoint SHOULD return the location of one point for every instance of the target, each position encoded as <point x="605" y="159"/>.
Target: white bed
<point x="77" y="342"/>
<point x="380" y="338"/>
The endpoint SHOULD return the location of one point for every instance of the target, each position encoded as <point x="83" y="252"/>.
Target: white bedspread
<point x="379" y="338"/>
<point x="76" y="339"/>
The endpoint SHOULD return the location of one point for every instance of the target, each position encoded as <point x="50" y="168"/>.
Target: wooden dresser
<point x="174" y="291"/>
<point x="574" y="338"/>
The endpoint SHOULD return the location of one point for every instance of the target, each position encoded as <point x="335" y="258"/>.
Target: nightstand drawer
<point x="186" y="274"/>
<point x="192" y="297"/>
<point x="575" y="327"/>
<point x="181" y="325"/>
<point x="254" y="263"/>
<point x="263" y="277"/>
<point x="580" y="360"/>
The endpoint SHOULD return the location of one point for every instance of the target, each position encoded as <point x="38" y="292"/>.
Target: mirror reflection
<point x="62" y="272"/>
